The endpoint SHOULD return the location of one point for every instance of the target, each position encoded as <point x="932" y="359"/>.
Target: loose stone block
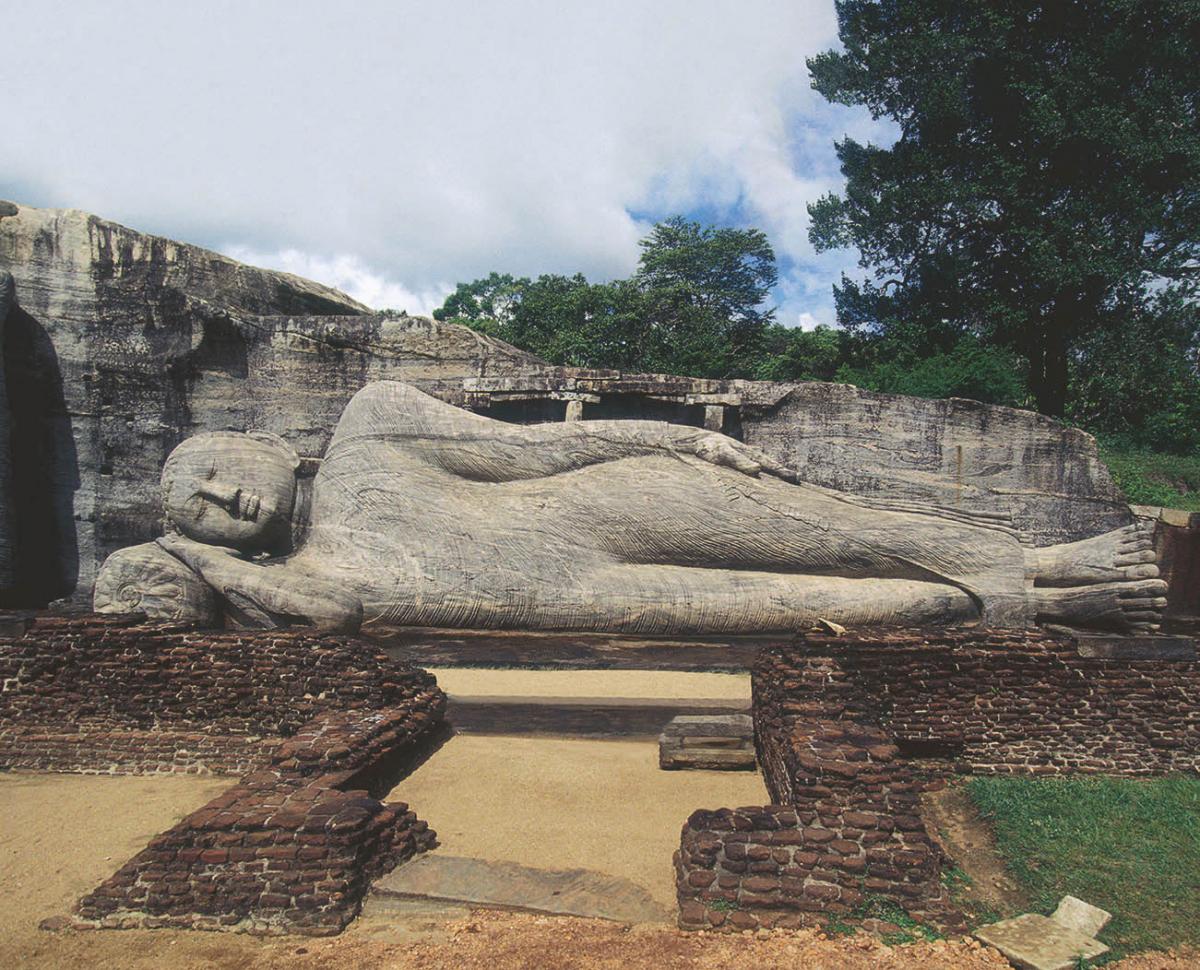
<point x="715" y="742"/>
<point x="1075" y="914"/>
<point x="1040" y="943"/>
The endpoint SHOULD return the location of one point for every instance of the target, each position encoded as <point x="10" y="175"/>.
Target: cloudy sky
<point x="393" y="148"/>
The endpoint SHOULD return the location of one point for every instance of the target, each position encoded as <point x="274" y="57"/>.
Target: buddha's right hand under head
<point x="200" y="556"/>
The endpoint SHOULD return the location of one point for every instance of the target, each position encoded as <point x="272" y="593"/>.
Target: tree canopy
<point x="1044" y="192"/>
<point x="696" y="305"/>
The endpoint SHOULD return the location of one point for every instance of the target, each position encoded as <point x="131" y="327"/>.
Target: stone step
<point x="626" y="717"/>
<point x="707" y="758"/>
<point x="508" y="885"/>
<point x="712" y="742"/>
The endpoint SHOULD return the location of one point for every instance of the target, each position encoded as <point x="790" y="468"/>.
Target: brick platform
<point x="317" y="722"/>
<point x="838" y="721"/>
<point x="991" y="702"/>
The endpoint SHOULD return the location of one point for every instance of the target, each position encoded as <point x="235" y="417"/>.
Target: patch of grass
<point x="881" y="908"/>
<point x="724" y="905"/>
<point x="1129" y="846"/>
<point x="1154" y="478"/>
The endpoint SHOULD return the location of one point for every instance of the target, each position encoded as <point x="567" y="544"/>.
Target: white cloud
<point x="394" y="147"/>
<point x="347" y="273"/>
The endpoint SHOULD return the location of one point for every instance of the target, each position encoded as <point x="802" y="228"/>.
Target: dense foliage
<point x="1044" y="191"/>
<point x="695" y="306"/>
<point x="1032" y="237"/>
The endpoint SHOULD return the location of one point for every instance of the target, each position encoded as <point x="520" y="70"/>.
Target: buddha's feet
<point x="1109" y="580"/>
<point x="1122" y="555"/>
<point x="1134" y="605"/>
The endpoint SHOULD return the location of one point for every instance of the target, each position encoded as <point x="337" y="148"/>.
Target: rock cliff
<point x="121" y="344"/>
<point x="6" y="552"/>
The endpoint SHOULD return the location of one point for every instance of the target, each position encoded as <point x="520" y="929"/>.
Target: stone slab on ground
<point x="507" y="885"/>
<point x="1075" y="914"/>
<point x="398" y="919"/>
<point x="1038" y="942"/>
<point x="712" y="741"/>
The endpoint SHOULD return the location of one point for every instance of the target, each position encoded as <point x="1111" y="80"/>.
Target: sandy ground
<point x="476" y="682"/>
<point x="61" y="834"/>
<point x="560" y="804"/>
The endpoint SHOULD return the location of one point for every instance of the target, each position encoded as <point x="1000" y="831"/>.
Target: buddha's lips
<point x="247" y="507"/>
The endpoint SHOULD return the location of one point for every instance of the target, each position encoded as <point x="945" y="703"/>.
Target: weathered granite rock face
<point x="6" y="576"/>
<point x="954" y="454"/>
<point x="122" y="344"/>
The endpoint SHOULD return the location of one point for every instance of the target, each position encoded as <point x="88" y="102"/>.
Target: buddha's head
<point x="226" y="488"/>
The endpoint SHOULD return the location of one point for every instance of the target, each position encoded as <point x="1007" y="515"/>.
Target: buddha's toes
<point x="1133" y="605"/>
<point x="1120" y="556"/>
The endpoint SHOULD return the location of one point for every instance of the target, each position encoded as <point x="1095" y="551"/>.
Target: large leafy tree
<point x="695" y="306"/>
<point x="1045" y="185"/>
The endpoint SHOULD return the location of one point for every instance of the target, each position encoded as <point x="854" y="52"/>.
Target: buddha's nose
<point x="219" y="492"/>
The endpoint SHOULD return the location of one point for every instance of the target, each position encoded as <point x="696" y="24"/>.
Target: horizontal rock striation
<point x="7" y="298"/>
<point x="122" y="344"/>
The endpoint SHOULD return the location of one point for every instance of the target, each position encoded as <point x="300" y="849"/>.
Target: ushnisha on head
<point x="226" y="488"/>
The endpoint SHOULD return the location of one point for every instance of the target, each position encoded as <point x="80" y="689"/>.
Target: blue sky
<point x="395" y="148"/>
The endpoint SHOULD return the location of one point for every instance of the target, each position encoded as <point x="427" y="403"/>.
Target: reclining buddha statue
<point x="423" y="514"/>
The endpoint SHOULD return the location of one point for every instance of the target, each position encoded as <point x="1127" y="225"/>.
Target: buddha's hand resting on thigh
<point x="719" y="449"/>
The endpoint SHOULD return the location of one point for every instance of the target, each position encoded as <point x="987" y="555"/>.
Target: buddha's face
<point x="231" y="490"/>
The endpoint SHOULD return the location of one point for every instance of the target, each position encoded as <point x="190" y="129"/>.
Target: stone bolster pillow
<point x="148" y="579"/>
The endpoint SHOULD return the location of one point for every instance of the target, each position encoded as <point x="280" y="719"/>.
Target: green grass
<point x="1130" y="846"/>
<point x="1154" y="478"/>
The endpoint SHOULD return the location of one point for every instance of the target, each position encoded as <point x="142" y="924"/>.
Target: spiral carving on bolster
<point x="147" y="579"/>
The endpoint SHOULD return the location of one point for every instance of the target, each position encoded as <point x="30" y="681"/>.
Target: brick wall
<point x="838" y="722"/>
<point x="845" y="828"/>
<point x="110" y="693"/>
<point x="316" y="723"/>
<point x="993" y="702"/>
<point x="291" y="848"/>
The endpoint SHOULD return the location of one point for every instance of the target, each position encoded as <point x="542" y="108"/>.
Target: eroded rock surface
<point x="122" y="344"/>
<point x="6" y="575"/>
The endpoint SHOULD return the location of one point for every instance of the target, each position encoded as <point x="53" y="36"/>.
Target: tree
<point x="695" y="306"/>
<point x="703" y="291"/>
<point x="1045" y="185"/>
<point x="1138" y="384"/>
<point x="792" y="354"/>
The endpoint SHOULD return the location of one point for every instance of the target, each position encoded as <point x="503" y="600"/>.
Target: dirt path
<point x="968" y="840"/>
<point x="61" y="834"/>
<point x="565" y="803"/>
<point x="482" y="682"/>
